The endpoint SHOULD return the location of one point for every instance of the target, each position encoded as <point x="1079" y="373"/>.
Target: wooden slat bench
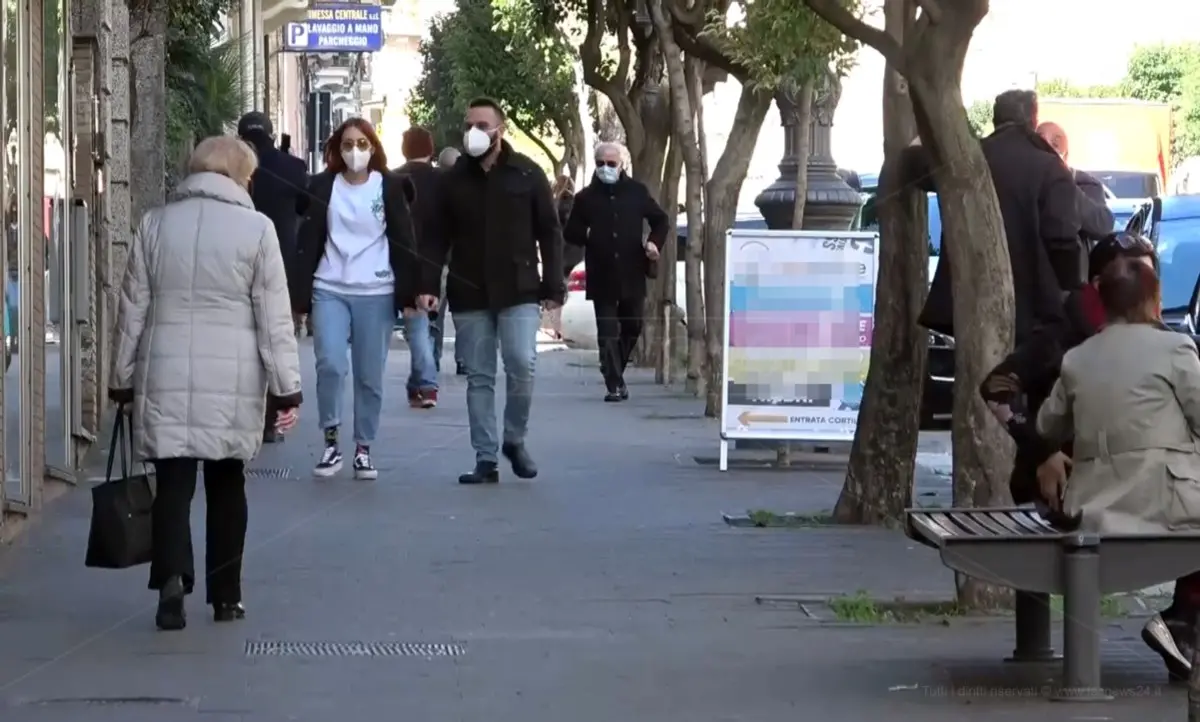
<point x="1017" y="548"/>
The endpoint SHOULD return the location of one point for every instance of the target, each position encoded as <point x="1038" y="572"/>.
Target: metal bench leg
<point x="1033" y="629"/>
<point x="1081" y="622"/>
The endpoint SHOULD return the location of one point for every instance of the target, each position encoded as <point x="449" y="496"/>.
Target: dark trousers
<point x="225" y="527"/>
<point x="618" y="327"/>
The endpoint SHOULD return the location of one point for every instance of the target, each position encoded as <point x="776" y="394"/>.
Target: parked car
<point x="578" y="320"/>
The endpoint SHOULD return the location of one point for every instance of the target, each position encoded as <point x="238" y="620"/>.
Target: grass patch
<point x="763" y="518"/>
<point x="1110" y="606"/>
<point x="860" y="608"/>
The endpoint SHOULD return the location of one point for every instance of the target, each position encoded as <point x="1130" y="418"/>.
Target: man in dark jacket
<point x="279" y="191"/>
<point x="495" y="216"/>
<point x="1095" y="219"/>
<point x="417" y="146"/>
<point x="607" y="221"/>
<point x="1041" y="218"/>
<point x="446" y="160"/>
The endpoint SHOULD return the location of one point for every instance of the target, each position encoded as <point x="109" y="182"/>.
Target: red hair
<point x="333" y="147"/>
<point x="1127" y="287"/>
<point x="417" y="143"/>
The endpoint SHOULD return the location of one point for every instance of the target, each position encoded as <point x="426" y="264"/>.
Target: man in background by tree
<point x="446" y="160"/>
<point x="279" y="191"/>
<point x="607" y="221"/>
<point x="1095" y="219"/>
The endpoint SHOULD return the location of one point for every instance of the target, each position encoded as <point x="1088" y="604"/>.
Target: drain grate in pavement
<point x="269" y="473"/>
<point x="353" y="649"/>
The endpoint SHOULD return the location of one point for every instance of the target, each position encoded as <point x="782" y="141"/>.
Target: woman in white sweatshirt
<point x="356" y="268"/>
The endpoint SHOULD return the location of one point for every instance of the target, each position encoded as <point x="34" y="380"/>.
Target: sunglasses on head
<point x="352" y="143"/>
<point x="1131" y="242"/>
<point x="608" y="163"/>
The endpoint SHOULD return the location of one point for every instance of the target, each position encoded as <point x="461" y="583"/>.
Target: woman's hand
<point x="286" y="419"/>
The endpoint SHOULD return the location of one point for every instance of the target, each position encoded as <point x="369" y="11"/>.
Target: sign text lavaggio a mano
<point x="337" y="28"/>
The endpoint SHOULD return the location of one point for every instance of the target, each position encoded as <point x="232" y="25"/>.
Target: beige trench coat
<point x="204" y="325"/>
<point x="1130" y="398"/>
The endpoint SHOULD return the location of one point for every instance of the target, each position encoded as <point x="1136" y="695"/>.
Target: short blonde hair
<point x="224" y="154"/>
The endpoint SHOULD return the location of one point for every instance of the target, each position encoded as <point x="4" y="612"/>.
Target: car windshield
<point x="1179" y="260"/>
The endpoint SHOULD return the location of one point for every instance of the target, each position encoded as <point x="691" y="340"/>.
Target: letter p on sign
<point x="297" y="35"/>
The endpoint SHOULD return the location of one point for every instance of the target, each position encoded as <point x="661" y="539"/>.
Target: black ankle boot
<point x="522" y="463"/>
<point x="171" y="615"/>
<point x="228" y="611"/>
<point x="485" y="472"/>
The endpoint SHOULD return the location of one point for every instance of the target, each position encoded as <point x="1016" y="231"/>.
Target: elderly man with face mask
<point x="608" y="220"/>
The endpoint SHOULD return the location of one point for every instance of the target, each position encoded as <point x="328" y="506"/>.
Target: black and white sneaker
<point x="364" y="470"/>
<point x="330" y="463"/>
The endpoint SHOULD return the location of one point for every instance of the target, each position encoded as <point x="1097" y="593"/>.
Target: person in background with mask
<point x="417" y="146"/>
<point x="356" y="268"/>
<point x="607" y="222"/>
<point x="495" y="215"/>
<point x="446" y="160"/>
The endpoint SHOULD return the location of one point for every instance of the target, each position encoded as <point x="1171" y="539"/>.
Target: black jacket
<point x="1038" y="205"/>
<point x="407" y="267"/>
<point x="572" y="255"/>
<point x="494" y="225"/>
<point x="607" y="222"/>
<point x="279" y="191"/>
<point x="427" y="190"/>
<point x="1095" y="219"/>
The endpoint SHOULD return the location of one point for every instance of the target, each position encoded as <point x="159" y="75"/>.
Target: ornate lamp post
<point x="830" y="203"/>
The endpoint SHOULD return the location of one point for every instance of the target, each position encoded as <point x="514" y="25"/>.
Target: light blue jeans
<point x="423" y="376"/>
<point x="479" y="334"/>
<point x="359" y="327"/>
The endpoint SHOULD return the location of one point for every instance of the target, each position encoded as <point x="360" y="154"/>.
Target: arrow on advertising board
<point x="749" y="417"/>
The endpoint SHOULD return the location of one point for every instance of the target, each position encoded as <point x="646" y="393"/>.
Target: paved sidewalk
<point x="608" y="590"/>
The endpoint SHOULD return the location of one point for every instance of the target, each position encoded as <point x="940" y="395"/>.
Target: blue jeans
<point x="438" y="330"/>
<point x="360" y="327"/>
<point x="479" y="334"/>
<point x="423" y="376"/>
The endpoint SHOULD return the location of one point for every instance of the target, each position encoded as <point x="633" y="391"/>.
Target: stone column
<point x="91" y="26"/>
<point x="119" y="222"/>
<point x="830" y="203"/>
<point x="148" y="106"/>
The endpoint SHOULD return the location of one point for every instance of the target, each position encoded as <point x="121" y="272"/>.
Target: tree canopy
<point x="501" y="50"/>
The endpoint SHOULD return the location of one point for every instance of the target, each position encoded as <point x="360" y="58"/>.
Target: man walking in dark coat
<point x="279" y="191"/>
<point x="1095" y="218"/>
<point x="607" y="221"/>
<point x="1041" y="218"/>
<point x="495" y="218"/>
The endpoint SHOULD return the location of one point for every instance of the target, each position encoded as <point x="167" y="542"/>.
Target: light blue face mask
<point x="608" y="174"/>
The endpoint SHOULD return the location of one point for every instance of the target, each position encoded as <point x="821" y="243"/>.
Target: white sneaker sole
<point x="326" y="471"/>
<point x="366" y="474"/>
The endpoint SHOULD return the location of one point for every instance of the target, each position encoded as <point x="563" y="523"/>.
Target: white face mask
<point x="356" y="159"/>
<point x="608" y="174"/>
<point x="477" y="142"/>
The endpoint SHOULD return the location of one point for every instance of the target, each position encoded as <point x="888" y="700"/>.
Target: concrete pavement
<point x="607" y="590"/>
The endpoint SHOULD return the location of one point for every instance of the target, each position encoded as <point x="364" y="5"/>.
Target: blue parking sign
<point x="336" y="28"/>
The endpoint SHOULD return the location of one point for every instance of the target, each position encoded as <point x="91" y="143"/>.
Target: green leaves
<point x="782" y="41"/>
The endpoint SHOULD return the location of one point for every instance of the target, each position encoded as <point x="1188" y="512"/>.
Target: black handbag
<point x="121" y="535"/>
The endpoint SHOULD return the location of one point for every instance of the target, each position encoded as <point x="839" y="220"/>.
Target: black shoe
<point x="226" y="612"/>
<point x="624" y="392"/>
<point x="171" y="615"/>
<point x="271" y="436"/>
<point x="460" y="369"/>
<point x="485" y="472"/>
<point x="522" y="462"/>
<point x="613" y="397"/>
<point x="1172" y="639"/>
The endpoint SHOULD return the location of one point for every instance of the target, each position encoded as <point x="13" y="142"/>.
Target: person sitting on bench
<point x="1129" y="400"/>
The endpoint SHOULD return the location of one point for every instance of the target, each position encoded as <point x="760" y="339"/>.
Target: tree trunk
<point x="804" y="105"/>
<point x="685" y="134"/>
<point x="878" y="486"/>
<point x="723" y="191"/>
<point x="662" y="291"/>
<point x="981" y="270"/>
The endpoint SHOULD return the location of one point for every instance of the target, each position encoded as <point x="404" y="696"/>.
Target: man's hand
<point x="426" y="302"/>
<point x="1052" y="479"/>
<point x="652" y="251"/>
<point x="286" y="420"/>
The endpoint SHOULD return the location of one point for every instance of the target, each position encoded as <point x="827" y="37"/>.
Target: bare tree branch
<point x="832" y="12"/>
<point x="701" y="48"/>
